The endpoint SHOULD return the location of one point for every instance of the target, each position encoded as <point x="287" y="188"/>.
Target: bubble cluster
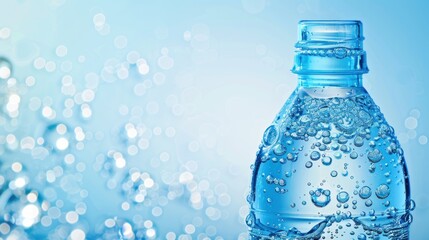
<point x="125" y="229"/>
<point x="320" y="197"/>
<point x="411" y="124"/>
<point x="89" y="147"/>
<point x="57" y="136"/>
<point x="328" y="147"/>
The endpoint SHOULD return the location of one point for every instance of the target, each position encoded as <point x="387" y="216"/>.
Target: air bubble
<point x="315" y="155"/>
<point x="343" y="197"/>
<point x="327" y="161"/>
<point x="368" y="203"/>
<point x="291" y="157"/>
<point x="279" y="149"/>
<point x="358" y="141"/>
<point x="365" y="192"/>
<point x="270" y="135"/>
<point x="382" y="191"/>
<point x="361" y="236"/>
<point x="375" y="156"/>
<point x="320" y="197"/>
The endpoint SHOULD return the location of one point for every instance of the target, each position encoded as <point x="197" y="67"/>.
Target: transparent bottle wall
<point x="330" y="166"/>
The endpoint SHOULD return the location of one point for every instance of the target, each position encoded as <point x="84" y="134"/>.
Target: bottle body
<point x="329" y="167"/>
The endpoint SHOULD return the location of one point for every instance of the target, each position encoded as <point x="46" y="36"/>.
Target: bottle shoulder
<point x="321" y="104"/>
<point x="348" y="113"/>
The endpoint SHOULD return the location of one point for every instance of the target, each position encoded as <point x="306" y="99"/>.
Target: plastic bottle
<point x="329" y="166"/>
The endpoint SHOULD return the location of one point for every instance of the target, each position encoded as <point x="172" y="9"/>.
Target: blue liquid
<point x="330" y="167"/>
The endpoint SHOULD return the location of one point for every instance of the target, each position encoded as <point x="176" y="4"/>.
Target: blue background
<point x="219" y="71"/>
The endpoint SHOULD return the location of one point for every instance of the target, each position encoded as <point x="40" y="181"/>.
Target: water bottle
<point x="329" y="166"/>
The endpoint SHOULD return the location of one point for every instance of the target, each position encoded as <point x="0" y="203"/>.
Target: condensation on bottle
<point x="330" y="166"/>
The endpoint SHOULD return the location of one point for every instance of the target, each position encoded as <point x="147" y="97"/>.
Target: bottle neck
<point x="310" y="80"/>
<point x="330" y="53"/>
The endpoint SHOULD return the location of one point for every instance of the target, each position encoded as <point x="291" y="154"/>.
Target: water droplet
<point x="361" y="236"/>
<point x="337" y="155"/>
<point x="269" y="179"/>
<point x="412" y="205"/>
<point x="342" y="140"/>
<point x="311" y="131"/>
<point x="279" y="149"/>
<point x="375" y="156"/>
<point x="249" y="198"/>
<point x="315" y="155"/>
<point x="382" y="191"/>
<point x="250" y="219"/>
<point x="368" y="203"/>
<point x="270" y="135"/>
<point x="320" y="197"/>
<point x="291" y="157"/>
<point x="343" y="197"/>
<point x="326" y="140"/>
<point x="308" y="164"/>
<point x="365" y="192"/>
<point x="353" y="155"/>
<point x="327" y="161"/>
<point x="334" y="173"/>
<point x="269" y="200"/>
<point x="304" y="119"/>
